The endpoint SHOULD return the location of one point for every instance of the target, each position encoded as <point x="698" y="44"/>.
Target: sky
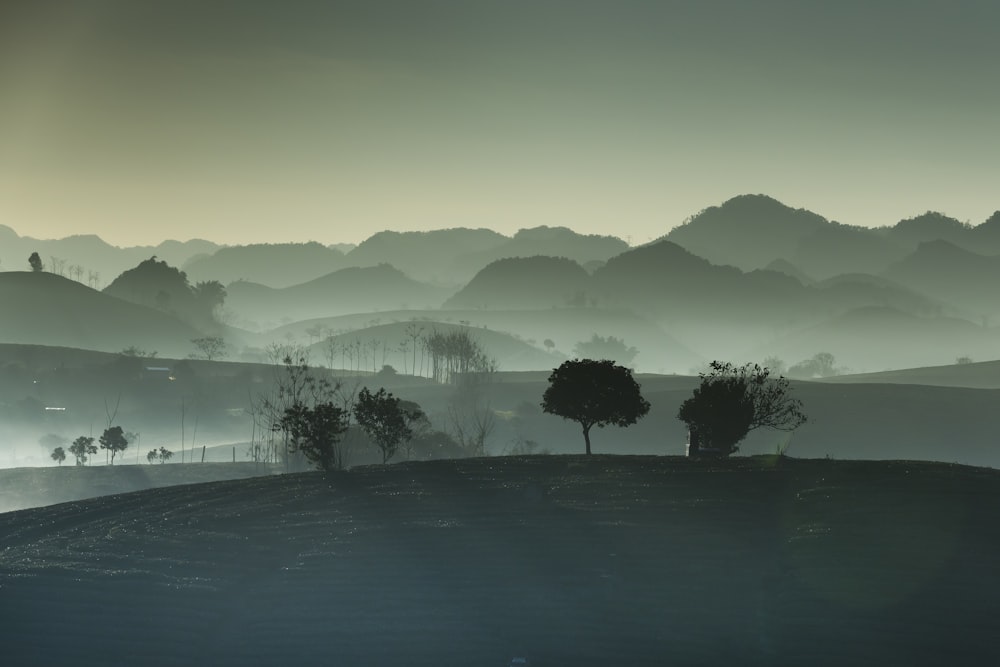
<point x="244" y="121"/>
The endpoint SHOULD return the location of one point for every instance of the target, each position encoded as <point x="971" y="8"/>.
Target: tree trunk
<point x="586" y="436"/>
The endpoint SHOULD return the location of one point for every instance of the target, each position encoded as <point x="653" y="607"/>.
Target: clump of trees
<point x="162" y="455"/>
<point x="156" y="284"/>
<point x="35" y="262"/>
<point x="731" y="401"/>
<point x="820" y="365"/>
<point x="82" y="449"/>
<point x="594" y="393"/>
<point x="307" y="411"/>
<point x="457" y="357"/>
<point x="59" y="455"/>
<point x="599" y="347"/>
<point x="314" y="431"/>
<point x="385" y="420"/>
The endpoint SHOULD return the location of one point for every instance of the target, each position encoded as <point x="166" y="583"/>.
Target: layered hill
<point x="349" y="290"/>
<point x="92" y="254"/>
<point x="964" y="279"/>
<point x="453" y="256"/>
<point x="591" y="249"/>
<point x="276" y="265"/>
<point x="429" y="256"/>
<point x="46" y="309"/>
<point x="564" y="560"/>
<point x="878" y="338"/>
<point x="751" y="231"/>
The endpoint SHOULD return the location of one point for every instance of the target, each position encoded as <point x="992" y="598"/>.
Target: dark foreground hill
<point x="566" y="560"/>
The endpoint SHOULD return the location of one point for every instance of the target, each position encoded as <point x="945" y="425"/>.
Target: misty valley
<point x="384" y="452"/>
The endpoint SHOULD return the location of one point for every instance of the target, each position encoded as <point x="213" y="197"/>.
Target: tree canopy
<point x="732" y="401"/>
<point x="594" y="393"/>
<point x="315" y="431"/>
<point x="113" y="440"/>
<point x="385" y="420"/>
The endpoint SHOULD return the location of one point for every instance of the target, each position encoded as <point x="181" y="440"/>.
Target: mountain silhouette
<point x="748" y="231"/>
<point x="929" y="226"/>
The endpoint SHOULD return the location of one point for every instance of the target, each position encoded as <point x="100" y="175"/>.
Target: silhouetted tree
<point x="594" y="393"/>
<point x="383" y="418"/>
<point x="35" y="262"/>
<point x="611" y="348"/>
<point x="83" y="448"/>
<point x="151" y="455"/>
<point x="210" y="347"/>
<point x="733" y="400"/>
<point x="59" y="455"/>
<point x="113" y="440"/>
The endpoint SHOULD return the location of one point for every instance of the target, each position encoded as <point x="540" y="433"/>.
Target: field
<point x="569" y="560"/>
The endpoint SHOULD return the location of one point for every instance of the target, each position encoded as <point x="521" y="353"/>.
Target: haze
<point x="252" y="121"/>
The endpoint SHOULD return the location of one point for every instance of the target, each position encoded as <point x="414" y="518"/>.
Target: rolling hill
<point x="524" y="282"/>
<point x="878" y="338"/>
<point x="565" y="560"/>
<point x="747" y="231"/>
<point x="46" y="309"/>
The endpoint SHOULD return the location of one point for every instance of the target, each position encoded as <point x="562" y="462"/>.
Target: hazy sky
<point x="246" y="121"/>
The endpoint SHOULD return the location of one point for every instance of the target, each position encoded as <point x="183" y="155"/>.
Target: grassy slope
<point x="46" y="309"/>
<point x="603" y="561"/>
<point x="979" y="375"/>
<point x="21" y="488"/>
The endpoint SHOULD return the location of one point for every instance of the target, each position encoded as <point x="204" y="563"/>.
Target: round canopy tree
<point x="733" y="400"/>
<point x="594" y="393"/>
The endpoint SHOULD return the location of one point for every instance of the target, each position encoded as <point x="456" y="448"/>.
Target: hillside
<point x="524" y="282"/>
<point x="960" y="277"/>
<point x="565" y="560"/>
<point x="747" y="231"/>
<point x="564" y="327"/>
<point x="373" y="346"/>
<point x="972" y="375"/>
<point x="878" y="338"/>
<point x="46" y="309"/>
